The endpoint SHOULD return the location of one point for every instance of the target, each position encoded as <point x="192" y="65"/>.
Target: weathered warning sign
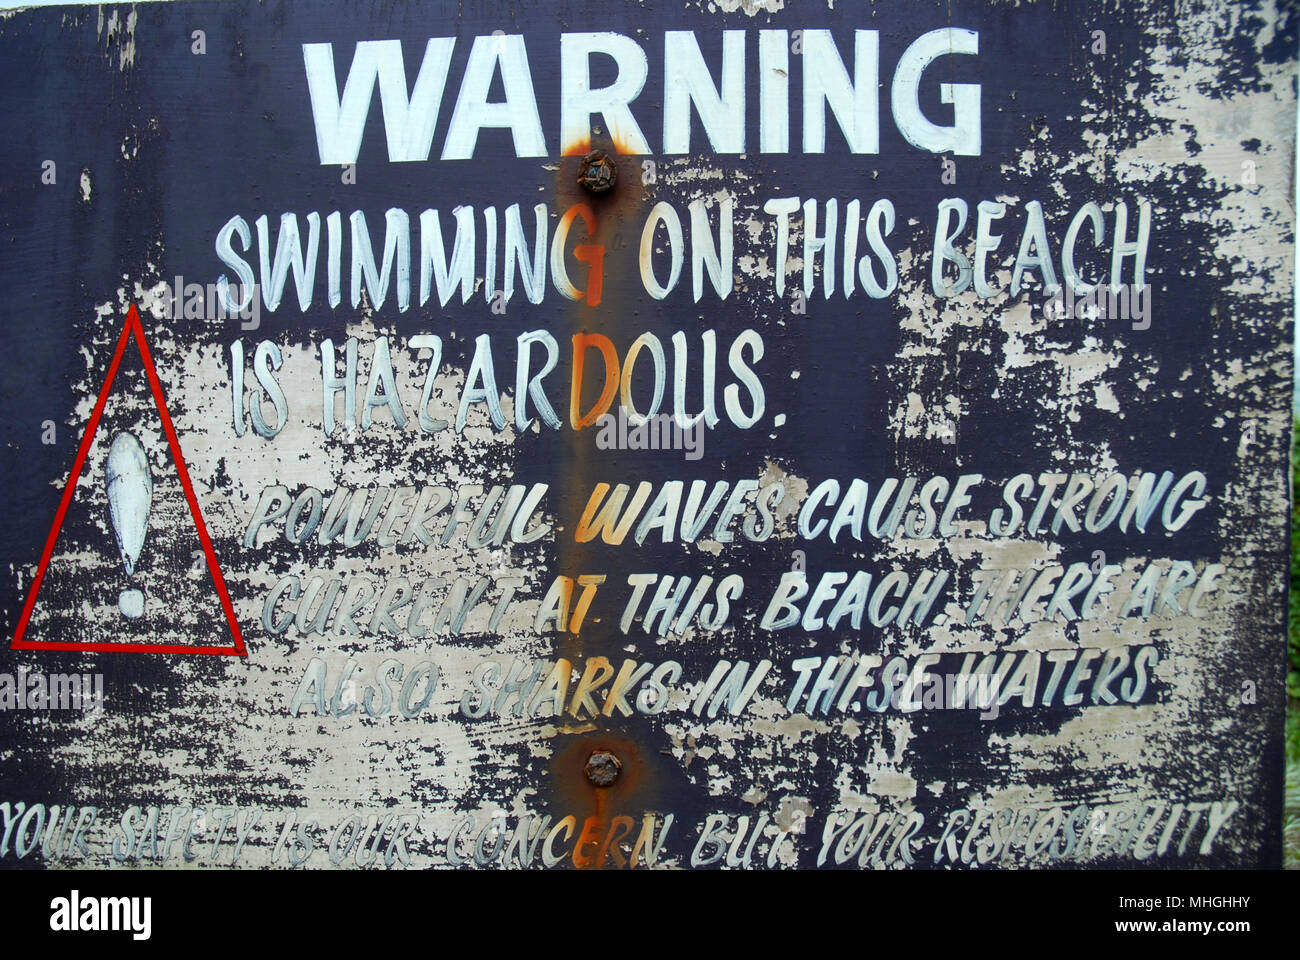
<point x="607" y="435"/>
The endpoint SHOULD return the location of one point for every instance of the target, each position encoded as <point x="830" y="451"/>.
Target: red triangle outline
<point x="131" y="328"/>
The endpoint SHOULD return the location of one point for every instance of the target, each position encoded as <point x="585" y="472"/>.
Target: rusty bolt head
<point x="597" y="172"/>
<point x="603" y="768"/>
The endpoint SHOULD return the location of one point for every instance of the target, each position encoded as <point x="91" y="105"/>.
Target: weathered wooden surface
<point x="1170" y="756"/>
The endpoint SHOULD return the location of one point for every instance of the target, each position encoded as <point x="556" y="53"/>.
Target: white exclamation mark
<point x="130" y="494"/>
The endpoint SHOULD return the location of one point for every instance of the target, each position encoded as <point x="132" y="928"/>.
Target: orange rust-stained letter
<point x="607" y="523"/>
<point x="581" y="343"/>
